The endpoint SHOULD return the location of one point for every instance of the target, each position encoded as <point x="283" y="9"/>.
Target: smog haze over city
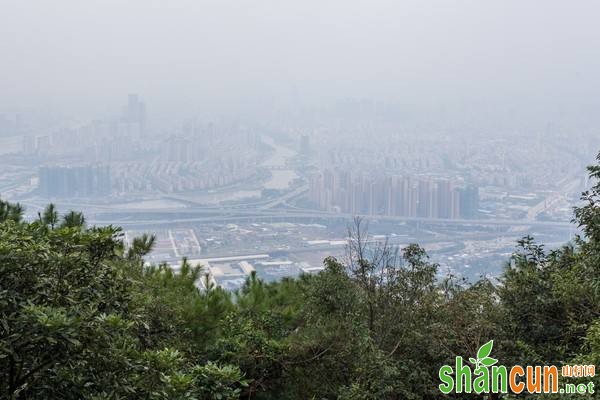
<point x="247" y="135"/>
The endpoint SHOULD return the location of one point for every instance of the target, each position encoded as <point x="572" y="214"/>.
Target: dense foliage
<point x="82" y="316"/>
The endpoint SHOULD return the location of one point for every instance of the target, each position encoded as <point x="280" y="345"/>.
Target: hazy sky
<point x="85" y="56"/>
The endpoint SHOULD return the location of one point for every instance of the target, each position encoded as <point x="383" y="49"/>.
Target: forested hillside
<point x="82" y="317"/>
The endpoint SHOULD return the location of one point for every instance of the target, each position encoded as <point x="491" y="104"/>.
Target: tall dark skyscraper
<point x="135" y="112"/>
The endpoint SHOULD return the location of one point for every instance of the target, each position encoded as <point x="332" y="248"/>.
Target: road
<point x="280" y="200"/>
<point x="569" y="186"/>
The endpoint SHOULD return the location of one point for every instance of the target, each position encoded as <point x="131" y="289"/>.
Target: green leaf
<point x="473" y="361"/>
<point x="485" y="350"/>
<point x="489" y="361"/>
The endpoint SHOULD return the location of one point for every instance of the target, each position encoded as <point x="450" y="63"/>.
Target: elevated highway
<point x="228" y="216"/>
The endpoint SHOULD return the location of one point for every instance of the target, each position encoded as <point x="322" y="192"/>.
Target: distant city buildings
<point x="343" y="191"/>
<point x="181" y="149"/>
<point x="367" y="166"/>
<point x="74" y="181"/>
<point x="199" y="157"/>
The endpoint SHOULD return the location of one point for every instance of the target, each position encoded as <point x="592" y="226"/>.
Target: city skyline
<point x="196" y="112"/>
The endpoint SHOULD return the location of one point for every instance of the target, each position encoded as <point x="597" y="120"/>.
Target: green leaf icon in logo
<point x="489" y="361"/>
<point x="472" y="360"/>
<point x="485" y="350"/>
